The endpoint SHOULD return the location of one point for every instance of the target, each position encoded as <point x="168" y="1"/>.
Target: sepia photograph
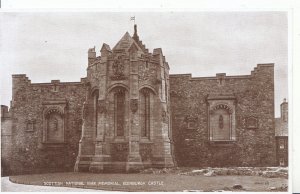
<point x="166" y="101"/>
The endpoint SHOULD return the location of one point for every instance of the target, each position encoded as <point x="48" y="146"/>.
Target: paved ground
<point x="7" y="186"/>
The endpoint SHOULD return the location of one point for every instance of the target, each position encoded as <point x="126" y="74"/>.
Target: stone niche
<point x="251" y="122"/>
<point x="221" y="117"/>
<point x="54" y="122"/>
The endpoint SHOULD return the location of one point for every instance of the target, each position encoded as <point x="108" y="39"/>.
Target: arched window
<point x="145" y="113"/>
<point x="119" y="111"/>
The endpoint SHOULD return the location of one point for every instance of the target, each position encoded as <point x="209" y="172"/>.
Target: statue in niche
<point x="53" y="125"/>
<point x="164" y="116"/>
<point x="134" y="105"/>
<point x="221" y="122"/>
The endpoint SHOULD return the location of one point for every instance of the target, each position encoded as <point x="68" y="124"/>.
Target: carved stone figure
<point x="134" y="105"/>
<point x="118" y="69"/>
<point x="102" y="106"/>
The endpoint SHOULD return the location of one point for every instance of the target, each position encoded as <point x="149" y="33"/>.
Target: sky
<point x="53" y="45"/>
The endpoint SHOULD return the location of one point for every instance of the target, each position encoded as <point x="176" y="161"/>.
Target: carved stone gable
<point x="118" y="68"/>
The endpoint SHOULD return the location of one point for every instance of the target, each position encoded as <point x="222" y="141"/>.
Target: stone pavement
<point x="7" y="186"/>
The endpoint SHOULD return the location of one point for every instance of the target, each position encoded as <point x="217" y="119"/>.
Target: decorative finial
<point x="135" y="29"/>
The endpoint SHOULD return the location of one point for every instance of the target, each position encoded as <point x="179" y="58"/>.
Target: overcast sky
<point x="54" y="45"/>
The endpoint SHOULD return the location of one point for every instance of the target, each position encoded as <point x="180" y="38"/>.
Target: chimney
<point x="284" y="110"/>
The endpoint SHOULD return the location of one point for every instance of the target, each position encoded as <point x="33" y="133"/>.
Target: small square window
<point x="281" y="162"/>
<point x="281" y="146"/>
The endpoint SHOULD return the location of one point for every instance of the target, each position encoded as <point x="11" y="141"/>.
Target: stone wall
<point x="33" y="152"/>
<point x="253" y="143"/>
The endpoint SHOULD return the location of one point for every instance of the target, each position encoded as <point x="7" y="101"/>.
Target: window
<point x="119" y="111"/>
<point x="145" y="113"/>
<point x="281" y="162"/>
<point x="281" y="144"/>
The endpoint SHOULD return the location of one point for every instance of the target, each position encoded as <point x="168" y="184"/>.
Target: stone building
<point x="281" y="135"/>
<point x="128" y="113"/>
<point x="6" y="140"/>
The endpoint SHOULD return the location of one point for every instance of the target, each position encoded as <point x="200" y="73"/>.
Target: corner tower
<point x="126" y="125"/>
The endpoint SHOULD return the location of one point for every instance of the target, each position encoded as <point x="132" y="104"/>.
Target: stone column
<point x="134" y="160"/>
<point x="162" y="155"/>
<point x="85" y="152"/>
<point x="101" y="160"/>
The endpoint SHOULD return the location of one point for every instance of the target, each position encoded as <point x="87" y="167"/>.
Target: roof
<point x="126" y="42"/>
<point x="281" y="127"/>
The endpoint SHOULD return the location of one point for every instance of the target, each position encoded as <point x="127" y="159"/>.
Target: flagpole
<point x="133" y="18"/>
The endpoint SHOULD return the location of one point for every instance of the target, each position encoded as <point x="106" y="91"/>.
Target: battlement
<point x="20" y="79"/>
<point x="4" y="111"/>
<point x="254" y="72"/>
<point x="262" y="66"/>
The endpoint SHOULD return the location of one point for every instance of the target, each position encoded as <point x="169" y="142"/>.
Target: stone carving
<point x="85" y="111"/>
<point x="53" y="125"/>
<point x="221" y="122"/>
<point x="119" y="91"/>
<point x="95" y="75"/>
<point x="251" y="122"/>
<point x="164" y="116"/>
<point x="134" y="105"/>
<point x="118" y="69"/>
<point x="145" y="71"/>
<point x="53" y="109"/>
<point x="30" y="126"/>
<point x="191" y="121"/>
<point x="145" y="91"/>
<point x="222" y="106"/>
<point x="102" y="106"/>
<point x="55" y="128"/>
